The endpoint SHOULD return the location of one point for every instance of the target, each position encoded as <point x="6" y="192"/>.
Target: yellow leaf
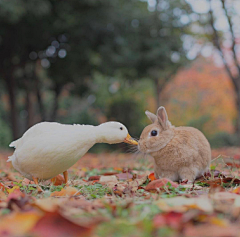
<point x="18" y="223"/>
<point x="49" y="204"/>
<point x="10" y="190"/>
<point x="219" y="222"/>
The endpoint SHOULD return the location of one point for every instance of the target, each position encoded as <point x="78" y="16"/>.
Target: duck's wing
<point x="36" y="130"/>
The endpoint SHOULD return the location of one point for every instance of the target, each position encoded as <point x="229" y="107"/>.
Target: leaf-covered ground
<point x="116" y="195"/>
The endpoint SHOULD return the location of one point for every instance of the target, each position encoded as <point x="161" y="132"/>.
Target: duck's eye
<point x="121" y="128"/>
<point x="153" y="133"/>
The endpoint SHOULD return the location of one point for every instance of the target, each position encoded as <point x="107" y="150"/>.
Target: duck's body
<point x="48" y="149"/>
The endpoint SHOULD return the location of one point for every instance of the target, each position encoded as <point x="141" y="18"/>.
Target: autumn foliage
<point x="201" y="95"/>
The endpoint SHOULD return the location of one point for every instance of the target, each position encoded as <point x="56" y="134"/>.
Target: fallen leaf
<point x="18" y="223"/>
<point x="3" y="196"/>
<point x="12" y="176"/>
<point x="27" y="181"/>
<point x="67" y="191"/>
<point x="151" y="176"/>
<point x="106" y="179"/>
<point x="53" y="224"/>
<point x="171" y="219"/>
<point x="182" y="204"/>
<point x="118" y="168"/>
<point x="211" y="230"/>
<point x="231" y="180"/>
<point x="3" y="187"/>
<point x="237" y="201"/>
<point x="49" y="204"/>
<point x="224" y="196"/>
<point x="160" y="184"/>
<point x="218" y="221"/>
<point x="17" y="199"/>
<point x="58" y="180"/>
<point x="11" y="190"/>
<point x="236" y="190"/>
<point x="93" y="178"/>
<point x="110" y="173"/>
<point x="124" y="176"/>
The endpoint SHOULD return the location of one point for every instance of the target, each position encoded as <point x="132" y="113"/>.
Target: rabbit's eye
<point x="153" y="133"/>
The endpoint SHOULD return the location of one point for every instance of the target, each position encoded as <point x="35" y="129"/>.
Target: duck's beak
<point x="130" y="140"/>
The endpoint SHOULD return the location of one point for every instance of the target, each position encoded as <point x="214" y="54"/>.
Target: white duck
<point x="48" y="149"/>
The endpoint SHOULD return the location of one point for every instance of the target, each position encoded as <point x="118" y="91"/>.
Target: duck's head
<point x="115" y="132"/>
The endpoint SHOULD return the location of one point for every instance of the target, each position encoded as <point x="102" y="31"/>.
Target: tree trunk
<point x="158" y="92"/>
<point x="28" y="104"/>
<point x="39" y="97"/>
<point x="11" y="88"/>
<point x="57" y="91"/>
<point x="237" y="126"/>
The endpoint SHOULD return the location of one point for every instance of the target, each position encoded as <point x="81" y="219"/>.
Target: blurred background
<point x="90" y="61"/>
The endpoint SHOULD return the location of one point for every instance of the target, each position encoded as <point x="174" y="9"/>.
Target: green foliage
<point x="127" y="110"/>
<point x="5" y="134"/>
<point x="222" y="139"/>
<point x="53" y="44"/>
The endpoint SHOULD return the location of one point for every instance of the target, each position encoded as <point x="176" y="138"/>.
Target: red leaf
<point x="172" y="219"/>
<point x="55" y="225"/>
<point x="93" y="178"/>
<point x="110" y="173"/>
<point x="151" y="177"/>
<point x="160" y="184"/>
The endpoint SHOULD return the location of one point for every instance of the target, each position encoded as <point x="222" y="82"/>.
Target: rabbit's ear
<point x="151" y="116"/>
<point x="162" y="117"/>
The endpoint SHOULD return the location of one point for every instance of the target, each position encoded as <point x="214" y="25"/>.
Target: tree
<point x="49" y="44"/>
<point x="146" y="44"/>
<point x="58" y="36"/>
<point x="228" y="54"/>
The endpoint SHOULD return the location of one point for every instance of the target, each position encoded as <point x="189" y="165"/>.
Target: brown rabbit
<point x="180" y="153"/>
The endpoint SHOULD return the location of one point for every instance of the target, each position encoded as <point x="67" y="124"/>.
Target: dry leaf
<point x="17" y="223"/>
<point x="151" y="176"/>
<point x="171" y="219"/>
<point x="49" y="204"/>
<point x="202" y="203"/>
<point x="224" y="196"/>
<point x="124" y="176"/>
<point x="93" y="178"/>
<point x="236" y="190"/>
<point x="3" y="196"/>
<point x="211" y="230"/>
<point x="67" y="191"/>
<point x="11" y="190"/>
<point x="55" y="225"/>
<point x="106" y="179"/>
<point x="58" y="180"/>
<point x="11" y="176"/>
<point x="27" y="182"/>
<point x="160" y="184"/>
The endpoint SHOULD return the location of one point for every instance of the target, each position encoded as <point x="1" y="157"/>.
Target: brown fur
<point x="180" y="153"/>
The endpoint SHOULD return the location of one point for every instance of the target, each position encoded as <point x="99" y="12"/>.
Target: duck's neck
<point x="100" y="135"/>
<point x="92" y="134"/>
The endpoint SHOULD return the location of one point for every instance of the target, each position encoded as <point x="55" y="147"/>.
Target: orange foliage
<point x="202" y="90"/>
